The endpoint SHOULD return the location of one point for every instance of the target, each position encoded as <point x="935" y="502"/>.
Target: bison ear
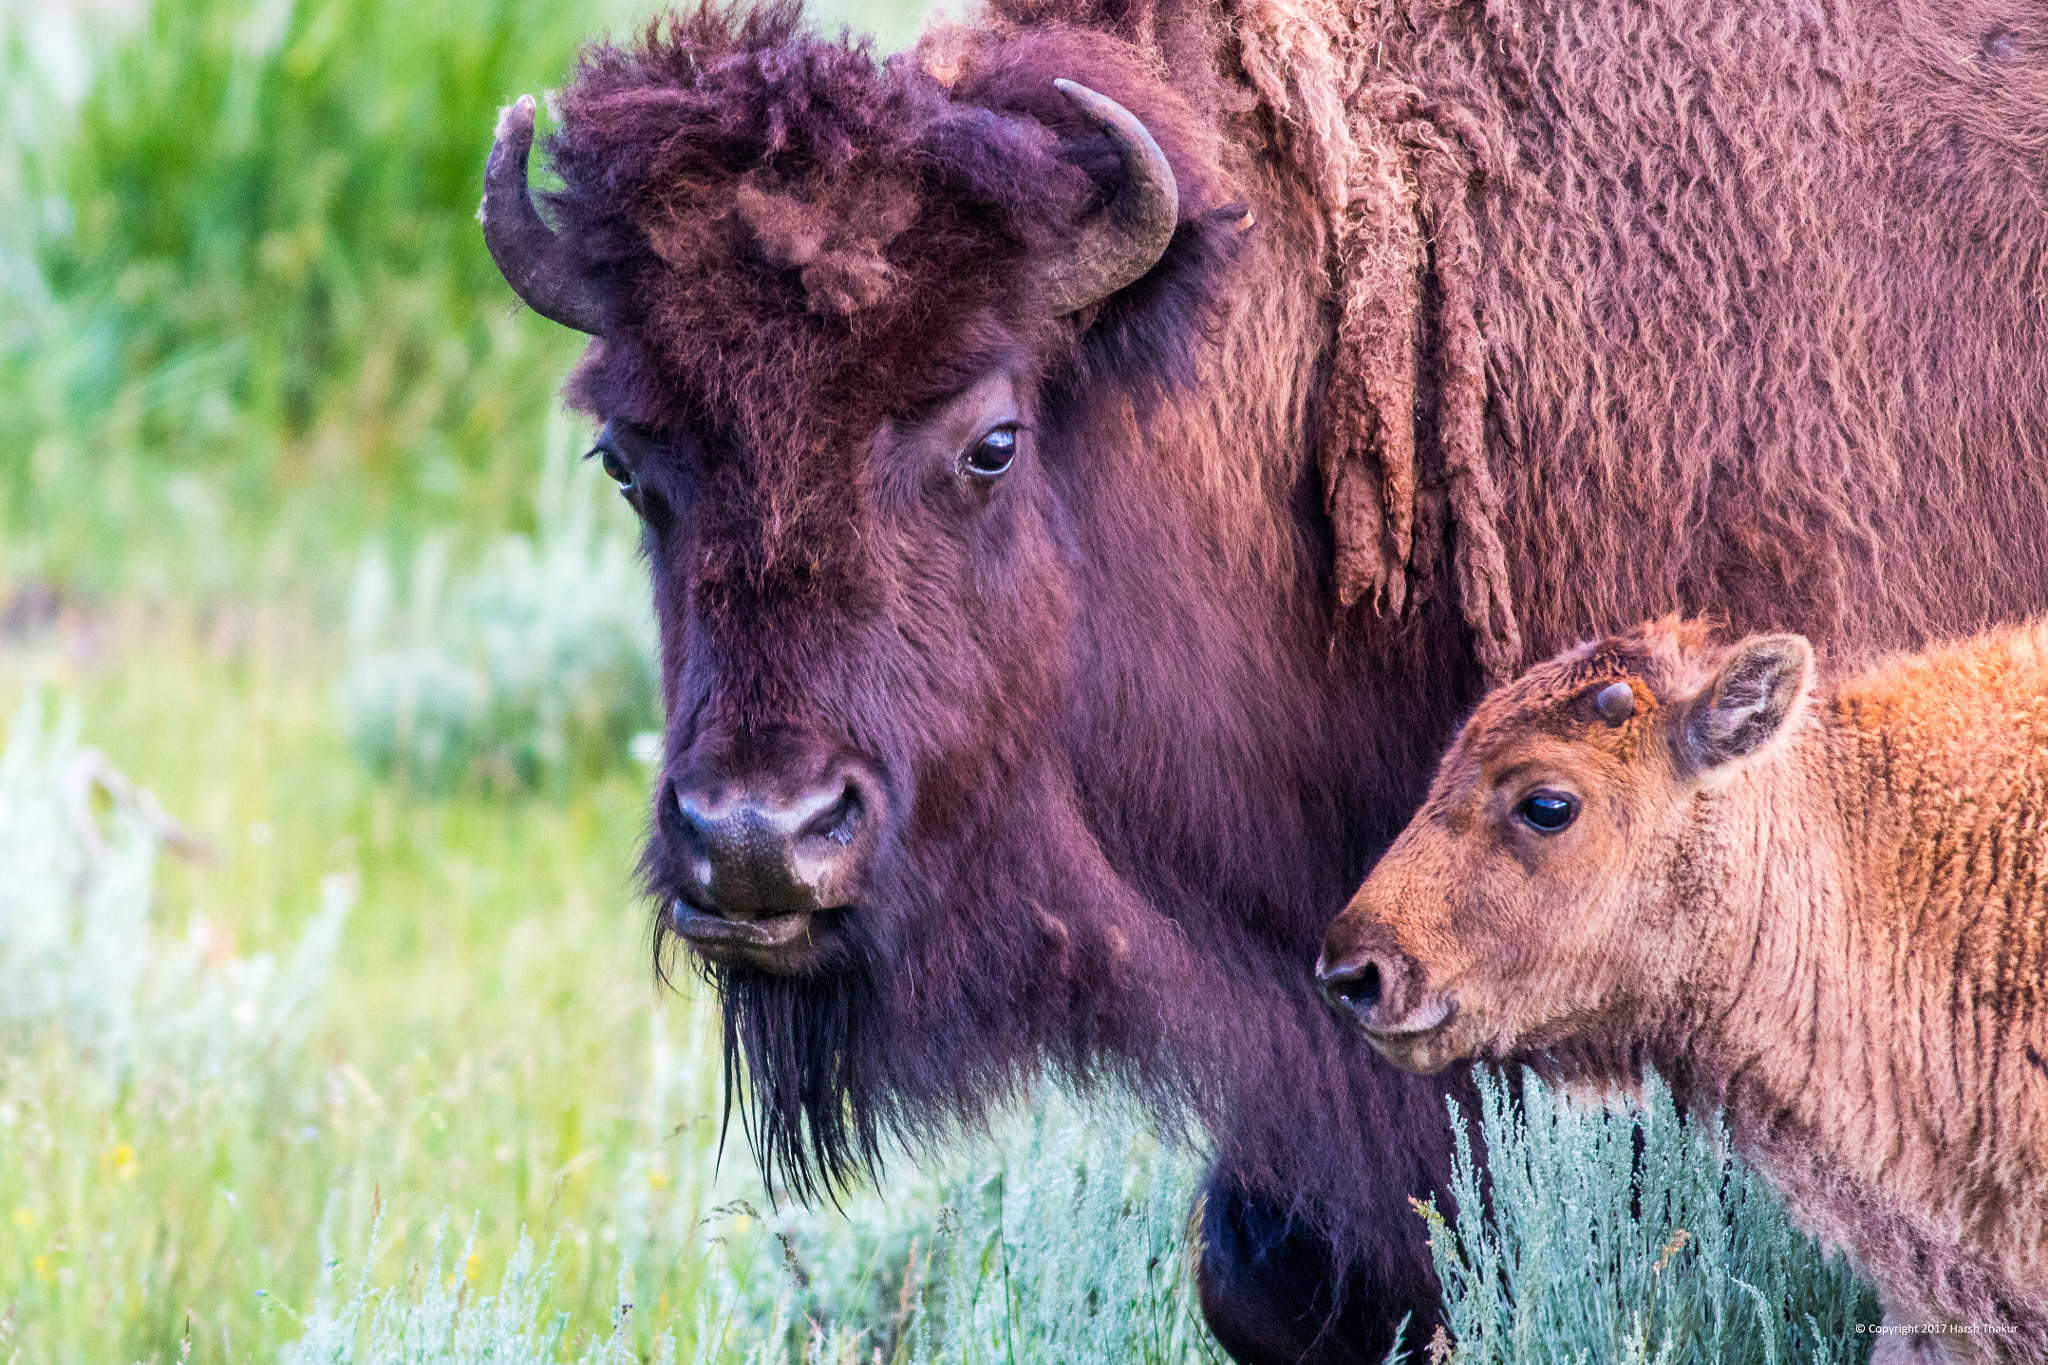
<point x="1749" y="704"/>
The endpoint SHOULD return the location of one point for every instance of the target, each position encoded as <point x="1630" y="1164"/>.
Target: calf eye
<point x="990" y="457"/>
<point x="1547" y="811"/>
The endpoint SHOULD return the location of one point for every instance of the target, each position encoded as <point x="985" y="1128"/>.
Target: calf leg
<point x="1273" y="1294"/>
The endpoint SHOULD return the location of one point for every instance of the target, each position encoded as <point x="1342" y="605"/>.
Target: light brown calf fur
<point x="1827" y="915"/>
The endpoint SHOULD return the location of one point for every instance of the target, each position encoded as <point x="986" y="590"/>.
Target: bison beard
<point x="825" y="1093"/>
<point x="821" y="1107"/>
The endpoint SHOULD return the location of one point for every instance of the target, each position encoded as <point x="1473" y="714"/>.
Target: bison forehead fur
<point x="790" y="230"/>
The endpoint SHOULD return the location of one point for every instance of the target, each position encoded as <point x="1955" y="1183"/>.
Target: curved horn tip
<point x="516" y="117"/>
<point x="1133" y="231"/>
<point x="513" y="136"/>
<point x="524" y="248"/>
<point x="1110" y="117"/>
<point x="1083" y="95"/>
<point x="512" y="139"/>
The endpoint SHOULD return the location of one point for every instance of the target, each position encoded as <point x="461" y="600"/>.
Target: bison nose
<point x="1373" y="987"/>
<point x="749" y="856"/>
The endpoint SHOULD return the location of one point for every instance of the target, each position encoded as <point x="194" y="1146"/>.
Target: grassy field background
<point x="300" y="1051"/>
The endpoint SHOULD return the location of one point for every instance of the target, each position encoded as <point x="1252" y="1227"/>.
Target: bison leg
<point x="1273" y="1293"/>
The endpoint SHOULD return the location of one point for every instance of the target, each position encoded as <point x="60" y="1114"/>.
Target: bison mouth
<point x="799" y="943"/>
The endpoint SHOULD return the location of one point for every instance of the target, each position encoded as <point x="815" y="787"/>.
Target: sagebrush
<point x="81" y="954"/>
<point x="1622" y="1232"/>
<point x="1063" y="1240"/>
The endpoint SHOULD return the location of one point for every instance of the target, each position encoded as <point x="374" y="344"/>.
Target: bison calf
<point x="1827" y="915"/>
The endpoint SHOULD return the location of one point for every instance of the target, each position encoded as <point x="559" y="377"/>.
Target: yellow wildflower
<point x="121" y="1161"/>
<point x="473" y="1268"/>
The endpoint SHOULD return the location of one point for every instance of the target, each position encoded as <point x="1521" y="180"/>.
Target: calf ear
<point x="1745" y="709"/>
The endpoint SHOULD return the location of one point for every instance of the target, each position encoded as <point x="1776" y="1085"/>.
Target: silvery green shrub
<point x="1076" y="1248"/>
<point x="1591" y="1252"/>
<point x="1059" y="1240"/>
<point x="541" y="662"/>
<point x="440" y="1322"/>
<point x="80" y="951"/>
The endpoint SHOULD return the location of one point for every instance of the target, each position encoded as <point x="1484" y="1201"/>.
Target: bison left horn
<point x="528" y="253"/>
<point x="1131" y="233"/>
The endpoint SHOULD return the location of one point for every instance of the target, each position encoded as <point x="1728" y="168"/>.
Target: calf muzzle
<point x="1381" y="989"/>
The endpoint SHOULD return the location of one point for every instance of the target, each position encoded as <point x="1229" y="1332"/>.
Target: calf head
<point x="852" y="319"/>
<point x="1546" y="891"/>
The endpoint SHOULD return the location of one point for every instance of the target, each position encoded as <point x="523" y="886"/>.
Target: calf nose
<point x="1373" y="987"/>
<point x="752" y="856"/>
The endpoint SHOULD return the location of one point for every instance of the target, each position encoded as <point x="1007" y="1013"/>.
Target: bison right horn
<point x="1131" y="233"/>
<point x="528" y="253"/>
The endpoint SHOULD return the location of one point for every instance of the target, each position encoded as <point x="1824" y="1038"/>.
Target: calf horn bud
<point x="1616" y="702"/>
<point x="527" y="252"/>
<point x="1130" y="234"/>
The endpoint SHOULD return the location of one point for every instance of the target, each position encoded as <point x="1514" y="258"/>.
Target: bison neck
<point x="1242" y="752"/>
<point x="1877" y="1047"/>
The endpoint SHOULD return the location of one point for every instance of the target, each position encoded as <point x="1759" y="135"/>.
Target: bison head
<point x="854" y="321"/>
<point x="1563" y="882"/>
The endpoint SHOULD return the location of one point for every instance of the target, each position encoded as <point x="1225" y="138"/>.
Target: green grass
<point x="486" y="1035"/>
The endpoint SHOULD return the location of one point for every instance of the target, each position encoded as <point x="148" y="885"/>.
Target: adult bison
<point x="1079" y="513"/>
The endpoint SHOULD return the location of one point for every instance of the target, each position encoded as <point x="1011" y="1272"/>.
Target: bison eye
<point x="1547" y="811"/>
<point x="990" y="457"/>
<point x="615" y="467"/>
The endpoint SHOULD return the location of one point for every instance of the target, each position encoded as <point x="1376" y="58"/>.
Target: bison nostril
<point x="686" y="827"/>
<point x="750" y="854"/>
<point x="838" y="822"/>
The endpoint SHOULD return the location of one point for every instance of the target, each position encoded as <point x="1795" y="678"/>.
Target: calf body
<point x="1827" y="916"/>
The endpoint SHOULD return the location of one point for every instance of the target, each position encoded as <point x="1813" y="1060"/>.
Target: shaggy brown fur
<point x="1551" y="316"/>
<point x="1832" y="919"/>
